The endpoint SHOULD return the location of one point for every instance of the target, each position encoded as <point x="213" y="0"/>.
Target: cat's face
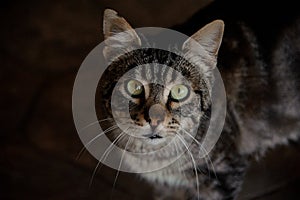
<point x="154" y="112"/>
<point x="159" y="101"/>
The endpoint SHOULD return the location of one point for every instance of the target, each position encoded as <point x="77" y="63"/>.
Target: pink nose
<point x="156" y="114"/>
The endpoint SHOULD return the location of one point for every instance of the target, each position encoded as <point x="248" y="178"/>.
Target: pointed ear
<point x="205" y="43"/>
<point x="119" y="36"/>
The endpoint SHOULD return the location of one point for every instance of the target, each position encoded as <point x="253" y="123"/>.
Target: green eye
<point x="179" y="92"/>
<point x="134" y="88"/>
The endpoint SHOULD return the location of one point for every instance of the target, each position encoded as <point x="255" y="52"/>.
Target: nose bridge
<point x="154" y="110"/>
<point x="155" y="95"/>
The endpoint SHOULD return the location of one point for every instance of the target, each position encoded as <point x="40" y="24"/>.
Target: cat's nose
<point x="156" y="115"/>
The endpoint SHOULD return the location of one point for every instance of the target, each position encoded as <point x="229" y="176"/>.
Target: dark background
<point x="42" y="46"/>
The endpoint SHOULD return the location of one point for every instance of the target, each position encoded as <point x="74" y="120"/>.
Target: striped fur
<point x="262" y="105"/>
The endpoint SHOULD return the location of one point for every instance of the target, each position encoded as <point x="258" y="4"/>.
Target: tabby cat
<point x="262" y="101"/>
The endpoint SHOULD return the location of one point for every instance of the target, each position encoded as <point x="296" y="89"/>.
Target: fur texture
<point x="261" y="94"/>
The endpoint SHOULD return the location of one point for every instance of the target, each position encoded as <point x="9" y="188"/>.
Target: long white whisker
<point x="177" y="153"/>
<point x="194" y="163"/>
<point x="202" y="148"/>
<point x="200" y="145"/>
<point x="101" y="120"/>
<point x="96" y="137"/>
<point x="105" y="152"/>
<point x="124" y="150"/>
<point x="179" y="159"/>
<point x="93" y="123"/>
<point x="191" y="136"/>
<point x="211" y="163"/>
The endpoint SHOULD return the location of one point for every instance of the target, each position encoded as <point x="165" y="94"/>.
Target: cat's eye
<point x="134" y="88"/>
<point x="179" y="92"/>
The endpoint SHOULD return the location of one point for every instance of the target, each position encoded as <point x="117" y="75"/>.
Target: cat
<point x="262" y="102"/>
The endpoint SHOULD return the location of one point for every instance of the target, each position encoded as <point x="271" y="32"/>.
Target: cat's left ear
<point x="119" y="36"/>
<point x="204" y="44"/>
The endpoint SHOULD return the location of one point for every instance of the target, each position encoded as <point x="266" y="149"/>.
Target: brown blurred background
<point x="42" y="46"/>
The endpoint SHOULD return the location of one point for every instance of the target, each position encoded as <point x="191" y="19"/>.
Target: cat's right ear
<point x="204" y="45"/>
<point x="119" y="36"/>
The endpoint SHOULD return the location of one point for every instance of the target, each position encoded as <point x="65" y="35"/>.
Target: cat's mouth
<point x="153" y="136"/>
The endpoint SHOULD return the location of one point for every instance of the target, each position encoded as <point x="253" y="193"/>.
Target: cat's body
<point x="262" y="87"/>
<point x="259" y="61"/>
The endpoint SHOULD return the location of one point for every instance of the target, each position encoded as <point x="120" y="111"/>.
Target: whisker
<point x="179" y="160"/>
<point x="202" y="148"/>
<point x="211" y="163"/>
<point x="190" y="135"/>
<point x="101" y="120"/>
<point x="194" y="163"/>
<point x="124" y="150"/>
<point x="93" y="123"/>
<point x="101" y="159"/>
<point x="96" y="137"/>
<point x="200" y="145"/>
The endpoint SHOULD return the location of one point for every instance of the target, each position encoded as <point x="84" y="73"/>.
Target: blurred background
<point x="42" y="46"/>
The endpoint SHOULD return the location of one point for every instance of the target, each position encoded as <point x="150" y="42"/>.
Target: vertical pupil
<point x="178" y="90"/>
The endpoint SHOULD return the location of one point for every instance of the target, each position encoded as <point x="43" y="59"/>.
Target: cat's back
<point x="262" y="80"/>
<point x="259" y="62"/>
<point x="260" y="67"/>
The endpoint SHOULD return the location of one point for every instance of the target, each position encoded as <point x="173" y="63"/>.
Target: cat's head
<point x="156" y="97"/>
